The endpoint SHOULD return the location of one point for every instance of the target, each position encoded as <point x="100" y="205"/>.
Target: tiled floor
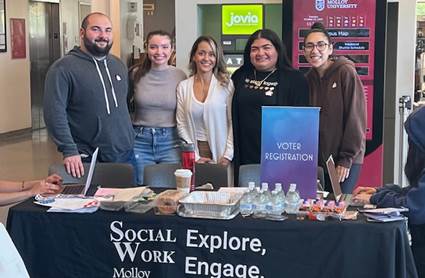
<point x="26" y="157"/>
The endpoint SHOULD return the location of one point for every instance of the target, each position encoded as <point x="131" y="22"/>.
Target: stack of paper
<point x="384" y="214"/>
<point x="121" y="194"/>
<point x="74" y="205"/>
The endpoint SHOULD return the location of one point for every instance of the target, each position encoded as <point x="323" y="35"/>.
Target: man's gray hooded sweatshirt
<point x="85" y="106"/>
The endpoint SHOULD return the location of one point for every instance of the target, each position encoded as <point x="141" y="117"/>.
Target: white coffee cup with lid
<point x="183" y="178"/>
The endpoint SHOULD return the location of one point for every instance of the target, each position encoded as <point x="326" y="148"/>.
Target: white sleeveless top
<point x="197" y="111"/>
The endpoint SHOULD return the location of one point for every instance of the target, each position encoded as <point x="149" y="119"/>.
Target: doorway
<point x="44" y="45"/>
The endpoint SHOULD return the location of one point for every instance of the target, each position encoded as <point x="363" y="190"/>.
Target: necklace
<point x="258" y="83"/>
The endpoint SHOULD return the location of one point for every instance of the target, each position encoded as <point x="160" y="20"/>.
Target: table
<point x="120" y="244"/>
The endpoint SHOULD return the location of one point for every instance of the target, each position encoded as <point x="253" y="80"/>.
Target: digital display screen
<point x="240" y="44"/>
<point x="351" y="27"/>
<point x="241" y="19"/>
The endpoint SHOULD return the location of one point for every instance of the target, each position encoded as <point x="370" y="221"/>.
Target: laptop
<point x="78" y="189"/>
<point x="336" y="186"/>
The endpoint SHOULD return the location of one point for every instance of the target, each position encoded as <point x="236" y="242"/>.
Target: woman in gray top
<point x="154" y="84"/>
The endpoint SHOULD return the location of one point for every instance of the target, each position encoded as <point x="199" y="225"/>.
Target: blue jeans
<point x="154" y="146"/>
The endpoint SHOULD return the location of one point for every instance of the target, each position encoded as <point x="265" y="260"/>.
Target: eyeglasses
<point x="321" y="46"/>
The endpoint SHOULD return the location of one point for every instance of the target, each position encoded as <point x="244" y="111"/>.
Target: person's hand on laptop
<point x="362" y="194"/>
<point x="48" y="186"/>
<point x="54" y="179"/>
<point x="362" y="198"/>
<point x="342" y="173"/>
<point x="364" y="190"/>
<point x="74" y="166"/>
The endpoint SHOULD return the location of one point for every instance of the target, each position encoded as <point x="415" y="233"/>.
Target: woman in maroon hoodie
<point x="336" y="88"/>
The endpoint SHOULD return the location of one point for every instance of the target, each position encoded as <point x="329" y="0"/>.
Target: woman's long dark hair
<point x="141" y="69"/>
<point x="282" y="60"/>
<point x="415" y="164"/>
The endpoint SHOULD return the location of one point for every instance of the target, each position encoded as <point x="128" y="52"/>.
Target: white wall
<point x="405" y="68"/>
<point x="15" y="101"/>
<point x="187" y="24"/>
<point x="69" y="17"/>
<point x="118" y="13"/>
<point x="126" y="42"/>
<point x="101" y="6"/>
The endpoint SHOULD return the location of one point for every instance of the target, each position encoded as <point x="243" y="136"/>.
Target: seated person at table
<point x="411" y="197"/>
<point x="15" y="191"/>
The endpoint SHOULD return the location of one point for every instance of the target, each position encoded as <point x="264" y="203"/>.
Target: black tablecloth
<point x="120" y="244"/>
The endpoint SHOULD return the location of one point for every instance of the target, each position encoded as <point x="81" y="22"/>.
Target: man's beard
<point x="96" y="50"/>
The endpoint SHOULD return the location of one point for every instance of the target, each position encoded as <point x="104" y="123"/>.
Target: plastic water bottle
<point x="257" y="204"/>
<point x="292" y="199"/>
<point x="246" y="204"/>
<point x="255" y="194"/>
<point x="262" y="200"/>
<point x="265" y="187"/>
<point x="278" y="201"/>
<point x="278" y="187"/>
<point x="267" y="199"/>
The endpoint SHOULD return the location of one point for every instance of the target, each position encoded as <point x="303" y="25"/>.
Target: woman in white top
<point x="204" y="104"/>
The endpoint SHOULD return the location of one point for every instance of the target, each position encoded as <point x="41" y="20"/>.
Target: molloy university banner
<point x="289" y="142"/>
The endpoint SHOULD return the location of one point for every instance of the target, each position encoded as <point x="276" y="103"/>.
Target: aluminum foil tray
<point x="216" y="205"/>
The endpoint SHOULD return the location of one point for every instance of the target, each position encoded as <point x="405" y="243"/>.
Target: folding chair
<point x="160" y="175"/>
<point x="215" y="174"/>
<point x="105" y="174"/>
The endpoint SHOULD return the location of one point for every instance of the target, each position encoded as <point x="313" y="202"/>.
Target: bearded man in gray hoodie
<point x="85" y="100"/>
